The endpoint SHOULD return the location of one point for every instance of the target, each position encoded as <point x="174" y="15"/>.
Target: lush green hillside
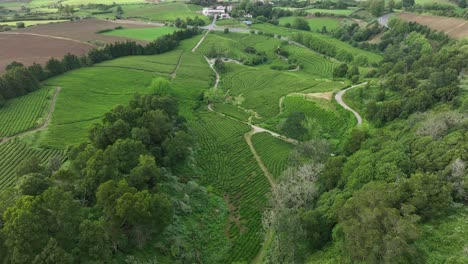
<point x="142" y="33"/>
<point x="273" y="152"/>
<point x="13" y="153"/>
<point x="229" y="166"/>
<point x="25" y="112"/>
<point x="315" y="23"/>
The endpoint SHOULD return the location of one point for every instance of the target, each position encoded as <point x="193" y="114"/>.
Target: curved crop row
<point x="229" y="166"/>
<point x="23" y="113"/>
<point x="13" y="153"/>
<point x="273" y="152"/>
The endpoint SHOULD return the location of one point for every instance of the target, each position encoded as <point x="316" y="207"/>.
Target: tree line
<point x="19" y="80"/>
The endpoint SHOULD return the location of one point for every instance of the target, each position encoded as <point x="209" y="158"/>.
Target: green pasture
<point x="29" y="23"/>
<point x="163" y="12"/>
<point x="148" y="34"/>
<point x="330" y="11"/>
<point x="316" y="23"/>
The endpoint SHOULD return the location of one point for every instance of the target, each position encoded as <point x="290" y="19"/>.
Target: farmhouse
<point x="220" y="11"/>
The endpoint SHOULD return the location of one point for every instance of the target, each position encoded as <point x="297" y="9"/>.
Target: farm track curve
<point x="41" y="127"/>
<point x="339" y="99"/>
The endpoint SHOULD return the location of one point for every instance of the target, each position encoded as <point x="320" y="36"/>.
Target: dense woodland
<point x="405" y="169"/>
<point x="117" y="193"/>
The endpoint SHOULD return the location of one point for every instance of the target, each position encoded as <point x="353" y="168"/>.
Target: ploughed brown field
<point x="42" y="42"/>
<point x="454" y="27"/>
<point x="28" y="49"/>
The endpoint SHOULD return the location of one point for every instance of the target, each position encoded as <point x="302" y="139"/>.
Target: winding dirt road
<point x="339" y="99"/>
<point x="41" y="127"/>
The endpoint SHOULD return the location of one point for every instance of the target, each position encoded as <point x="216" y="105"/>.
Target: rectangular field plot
<point x="148" y="34"/>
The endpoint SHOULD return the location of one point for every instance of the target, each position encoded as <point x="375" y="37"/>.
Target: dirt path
<point x="48" y="36"/>
<point x="211" y="63"/>
<point x="248" y="138"/>
<point x="339" y="99"/>
<point x="209" y="28"/>
<point x="174" y="73"/>
<point x="457" y="27"/>
<point x="41" y="127"/>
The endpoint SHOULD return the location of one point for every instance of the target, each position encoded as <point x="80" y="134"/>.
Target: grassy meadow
<point x="316" y="23"/>
<point x="147" y="34"/>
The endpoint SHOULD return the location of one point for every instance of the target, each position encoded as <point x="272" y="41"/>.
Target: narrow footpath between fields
<point x="41" y="127"/>
<point x="174" y="73"/>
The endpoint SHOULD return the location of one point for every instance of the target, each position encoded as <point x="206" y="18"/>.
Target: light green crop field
<point x="372" y="57"/>
<point x="334" y="121"/>
<point x="261" y="89"/>
<point x="316" y="23"/>
<point x="148" y="34"/>
<point x="330" y="11"/>
<point x="274" y="152"/>
<point x="222" y="154"/>
<point x="29" y="23"/>
<point x="312" y="62"/>
<point x="230" y="167"/>
<point x="164" y="12"/>
<point x="86" y="95"/>
<point x="25" y="112"/>
<point x="421" y="2"/>
<point x="12" y="153"/>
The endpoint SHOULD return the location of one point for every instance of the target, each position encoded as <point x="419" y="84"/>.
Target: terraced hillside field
<point x="273" y="152"/>
<point x="12" y="153"/>
<point x="262" y="89"/>
<point x="230" y="167"/>
<point x="25" y="112"/>
<point x="86" y="95"/>
<point x="372" y="57"/>
<point x="334" y="121"/>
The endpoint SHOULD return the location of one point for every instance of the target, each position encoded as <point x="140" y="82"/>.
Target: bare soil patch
<point x="454" y="27"/>
<point x="84" y="30"/>
<point x="32" y="48"/>
<point x="40" y="43"/>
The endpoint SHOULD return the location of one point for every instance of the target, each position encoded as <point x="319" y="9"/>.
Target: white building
<point x="212" y="12"/>
<point x="220" y="11"/>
